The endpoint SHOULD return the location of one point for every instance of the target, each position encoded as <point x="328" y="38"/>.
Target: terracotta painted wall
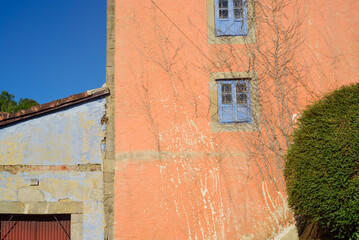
<point x="175" y="177"/>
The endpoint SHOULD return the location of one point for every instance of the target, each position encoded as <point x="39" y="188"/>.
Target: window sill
<point x="235" y="127"/>
<point x="213" y="39"/>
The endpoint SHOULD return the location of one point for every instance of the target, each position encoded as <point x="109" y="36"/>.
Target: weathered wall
<point x="331" y="43"/>
<point x="63" y="150"/>
<point x="71" y="136"/>
<point x="109" y="160"/>
<point x="175" y="177"/>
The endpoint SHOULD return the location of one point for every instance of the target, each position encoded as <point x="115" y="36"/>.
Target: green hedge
<point x="322" y="163"/>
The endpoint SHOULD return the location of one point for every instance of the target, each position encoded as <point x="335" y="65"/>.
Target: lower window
<point x="234" y="101"/>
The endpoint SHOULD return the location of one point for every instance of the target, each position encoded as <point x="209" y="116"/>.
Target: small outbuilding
<point x="51" y="169"/>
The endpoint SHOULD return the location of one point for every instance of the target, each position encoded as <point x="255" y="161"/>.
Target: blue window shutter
<point x="223" y="24"/>
<point x="243" y="114"/>
<point x="249" y="102"/>
<point x="243" y="111"/>
<point x="240" y="24"/>
<point x="226" y="112"/>
<point x="233" y="25"/>
<point x="238" y="108"/>
<point x="244" y="27"/>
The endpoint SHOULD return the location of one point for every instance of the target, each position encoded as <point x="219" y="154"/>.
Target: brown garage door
<point x="35" y="227"/>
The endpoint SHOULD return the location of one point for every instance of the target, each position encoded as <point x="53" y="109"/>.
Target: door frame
<point x="43" y="208"/>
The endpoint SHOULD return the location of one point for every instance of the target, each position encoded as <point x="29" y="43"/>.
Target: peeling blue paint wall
<point x="68" y="137"/>
<point x="71" y="136"/>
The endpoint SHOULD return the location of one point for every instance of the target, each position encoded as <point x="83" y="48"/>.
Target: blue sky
<point x="50" y="49"/>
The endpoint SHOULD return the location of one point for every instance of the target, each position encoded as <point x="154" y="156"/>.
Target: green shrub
<point x="322" y="164"/>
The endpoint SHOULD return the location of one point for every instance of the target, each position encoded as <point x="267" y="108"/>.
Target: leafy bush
<point x="322" y="164"/>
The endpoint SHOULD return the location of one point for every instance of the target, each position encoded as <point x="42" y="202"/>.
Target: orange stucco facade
<point x="179" y="174"/>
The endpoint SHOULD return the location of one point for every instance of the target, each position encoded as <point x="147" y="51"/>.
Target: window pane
<point x="223" y="3"/>
<point x="226" y="99"/>
<point x="238" y="13"/>
<point x="237" y="3"/>
<point x="241" y="88"/>
<point x="226" y="88"/>
<point x="241" y="98"/>
<point x="226" y="93"/>
<point x="223" y="13"/>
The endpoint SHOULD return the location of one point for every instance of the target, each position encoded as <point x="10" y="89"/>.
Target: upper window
<point x="231" y="21"/>
<point x="231" y="17"/>
<point x="234" y="101"/>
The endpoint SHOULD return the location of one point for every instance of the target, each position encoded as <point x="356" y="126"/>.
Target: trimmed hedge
<point x="322" y="164"/>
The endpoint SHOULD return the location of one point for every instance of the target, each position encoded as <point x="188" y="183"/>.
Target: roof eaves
<point x="7" y="118"/>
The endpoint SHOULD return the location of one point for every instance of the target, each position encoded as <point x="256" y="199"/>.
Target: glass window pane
<point x="226" y="88"/>
<point x="223" y="13"/>
<point x="226" y="93"/>
<point x="238" y="13"/>
<point x="226" y="99"/>
<point x="223" y="3"/>
<point x="241" y="88"/>
<point x="237" y="3"/>
<point x="241" y="99"/>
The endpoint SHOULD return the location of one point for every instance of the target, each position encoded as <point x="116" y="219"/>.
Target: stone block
<point x="29" y="194"/>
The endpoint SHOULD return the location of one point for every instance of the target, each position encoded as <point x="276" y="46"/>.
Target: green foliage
<point x="26" y="103"/>
<point x="8" y="103"/>
<point x="322" y="164"/>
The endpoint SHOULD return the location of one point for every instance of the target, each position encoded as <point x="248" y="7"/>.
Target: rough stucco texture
<point x="177" y="179"/>
<point x="63" y="186"/>
<point x="68" y="137"/>
<point x="72" y="136"/>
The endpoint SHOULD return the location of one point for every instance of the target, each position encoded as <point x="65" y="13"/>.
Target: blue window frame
<point x="234" y="101"/>
<point x="231" y="17"/>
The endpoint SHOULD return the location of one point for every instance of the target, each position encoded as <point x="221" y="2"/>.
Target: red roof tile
<point x="7" y="118"/>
